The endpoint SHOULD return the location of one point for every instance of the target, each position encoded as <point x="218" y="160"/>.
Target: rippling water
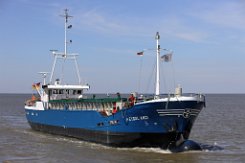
<point x="220" y="124"/>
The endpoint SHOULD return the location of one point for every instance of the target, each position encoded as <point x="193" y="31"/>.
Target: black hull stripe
<point x="109" y="138"/>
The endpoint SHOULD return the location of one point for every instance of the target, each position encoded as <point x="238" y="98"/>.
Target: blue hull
<point x="149" y="124"/>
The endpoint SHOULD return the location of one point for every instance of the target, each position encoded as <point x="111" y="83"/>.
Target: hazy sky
<point x="207" y="37"/>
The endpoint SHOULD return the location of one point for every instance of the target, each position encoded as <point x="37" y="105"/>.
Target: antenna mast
<point x="66" y="16"/>
<point x="64" y="55"/>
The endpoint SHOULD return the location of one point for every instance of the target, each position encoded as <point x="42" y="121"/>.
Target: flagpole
<point x="157" y="91"/>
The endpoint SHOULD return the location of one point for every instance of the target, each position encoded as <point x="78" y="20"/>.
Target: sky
<point x="207" y="39"/>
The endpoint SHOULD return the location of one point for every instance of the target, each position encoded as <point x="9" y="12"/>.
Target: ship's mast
<point x="65" y="55"/>
<point x="66" y="16"/>
<point x="166" y="58"/>
<point x="157" y="90"/>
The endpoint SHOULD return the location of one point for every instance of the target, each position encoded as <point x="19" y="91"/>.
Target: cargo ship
<point x="160" y="120"/>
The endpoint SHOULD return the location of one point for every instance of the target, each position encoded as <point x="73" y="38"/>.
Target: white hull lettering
<point x="138" y="118"/>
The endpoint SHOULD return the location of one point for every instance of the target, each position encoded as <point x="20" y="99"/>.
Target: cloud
<point x="228" y="14"/>
<point x="196" y="24"/>
<point x="98" y="22"/>
<point x="138" y="26"/>
<point x="179" y="28"/>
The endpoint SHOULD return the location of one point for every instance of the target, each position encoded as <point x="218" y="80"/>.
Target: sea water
<point x="220" y="129"/>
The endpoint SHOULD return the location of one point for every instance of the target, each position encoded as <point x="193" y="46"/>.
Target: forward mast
<point x="157" y="90"/>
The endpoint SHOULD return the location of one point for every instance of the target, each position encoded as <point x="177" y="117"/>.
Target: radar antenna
<point x="44" y="75"/>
